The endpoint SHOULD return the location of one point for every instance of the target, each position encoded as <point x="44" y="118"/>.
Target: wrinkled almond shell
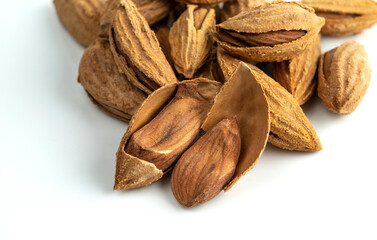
<point x="343" y="77"/>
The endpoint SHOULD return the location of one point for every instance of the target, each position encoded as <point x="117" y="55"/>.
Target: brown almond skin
<point x="172" y="131"/>
<point x="81" y="18"/>
<point x="343" y="77"/>
<point x="206" y="167"/>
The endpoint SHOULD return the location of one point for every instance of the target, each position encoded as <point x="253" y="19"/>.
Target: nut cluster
<point x="189" y="80"/>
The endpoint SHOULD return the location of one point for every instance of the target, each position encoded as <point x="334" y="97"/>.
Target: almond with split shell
<point x="298" y="74"/>
<point x="343" y="77"/>
<point x="290" y="129"/>
<point x="344" y="18"/>
<point x="190" y="39"/>
<point x="269" y="33"/>
<point x="81" y="18"/>
<point x="240" y="97"/>
<point x="173" y="130"/>
<point x="133" y="172"/>
<point x="137" y="51"/>
<point x="107" y="88"/>
<point x="234" y="7"/>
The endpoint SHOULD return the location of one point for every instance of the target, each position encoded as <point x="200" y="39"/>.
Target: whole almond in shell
<point x="343" y="77"/>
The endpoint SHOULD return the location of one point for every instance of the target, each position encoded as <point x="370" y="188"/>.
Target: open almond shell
<point x="132" y="172"/>
<point x="271" y="18"/>
<point x="243" y="97"/>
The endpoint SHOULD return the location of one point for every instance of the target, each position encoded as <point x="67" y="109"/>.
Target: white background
<point x="57" y="158"/>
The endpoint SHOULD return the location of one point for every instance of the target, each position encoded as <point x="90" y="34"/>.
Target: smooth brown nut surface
<point x="343" y="77"/>
<point x="172" y="131"/>
<point x="81" y="18"/>
<point x="108" y="88"/>
<point x="271" y="32"/>
<point x="344" y="18"/>
<point x="206" y="167"/>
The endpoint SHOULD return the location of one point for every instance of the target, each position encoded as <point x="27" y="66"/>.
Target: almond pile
<point x="187" y="77"/>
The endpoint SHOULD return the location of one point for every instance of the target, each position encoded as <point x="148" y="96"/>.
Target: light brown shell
<point x="190" y="47"/>
<point x="152" y="10"/>
<point x="354" y="16"/>
<point x="297" y="76"/>
<point x="270" y="18"/>
<point x="132" y="172"/>
<point x="234" y="7"/>
<point x="202" y="2"/>
<point x="290" y="129"/>
<point x="81" y="18"/>
<point x="108" y="88"/>
<point x="243" y="97"/>
<point x="137" y="50"/>
<point x="162" y="34"/>
<point x="343" y="77"/>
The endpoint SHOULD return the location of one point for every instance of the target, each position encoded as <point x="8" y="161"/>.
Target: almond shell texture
<point x="108" y="88"/>
<point x="297" y="75"/>
<point x="344" y="18"/>
<point x="137" y="51"/>
<point x="343" y="77"/>
<point x="290" y="129"/>
<point x="81" y="18"/>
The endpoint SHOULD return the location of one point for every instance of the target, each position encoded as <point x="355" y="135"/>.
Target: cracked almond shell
<point x="190" y="39"/>
<point x="343" y="77"/>
<point x="137" y="51"/>
<point x="132" y="172"/>
<point x="344" y="18"/>
<point x="290" y="129"/>
<point x="297" y="75"/>
<point x="242" y="96"/>
<point x="107" y="88"/>
<point x="269" y="33"/>
<point x="81" y="18"/>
